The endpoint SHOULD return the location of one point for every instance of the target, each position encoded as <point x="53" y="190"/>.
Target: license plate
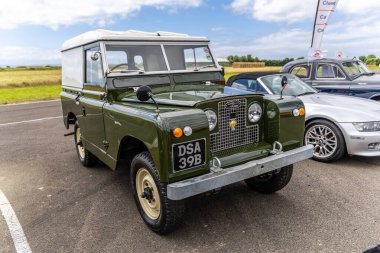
<point x="188" y="155"/>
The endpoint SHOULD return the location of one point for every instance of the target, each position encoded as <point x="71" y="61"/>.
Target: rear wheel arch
<point x="71" y="119"/>
<point x="376" y="97"/>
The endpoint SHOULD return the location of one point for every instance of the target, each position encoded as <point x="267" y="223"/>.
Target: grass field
<point x="229" y="71"/>
<point x="43" y="83"/>
<point x="29" y="84"/>
<point x="22" y="94"/>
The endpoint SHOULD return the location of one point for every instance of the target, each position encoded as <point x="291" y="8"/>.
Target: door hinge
<point x="106" y="144"/>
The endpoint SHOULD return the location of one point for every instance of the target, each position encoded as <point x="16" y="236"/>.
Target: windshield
<point x="295" y="87"/>
<point x="189" y="57"/>
<point x="142" y="58"/>
<point x="355" y="68"/>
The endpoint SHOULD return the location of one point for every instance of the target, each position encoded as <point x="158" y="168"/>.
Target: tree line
<point x="249" y="58"/>
<point x="371" y="59"/>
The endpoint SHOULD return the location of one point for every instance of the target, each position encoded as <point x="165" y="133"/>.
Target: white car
<point x="335" y="124"/>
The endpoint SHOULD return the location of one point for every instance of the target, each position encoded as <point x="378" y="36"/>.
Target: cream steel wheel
<point x="79" y="143"/>
<point x="148" y="194"/>
<point x="85" y="157"/>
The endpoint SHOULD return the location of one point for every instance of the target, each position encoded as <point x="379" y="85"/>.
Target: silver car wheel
<point x="323" y="139"/>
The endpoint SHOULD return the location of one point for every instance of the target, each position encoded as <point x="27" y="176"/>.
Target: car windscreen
<point x="355" y="68"/>
<point x="140" y="58"/>
<point x="189" y="57"/>
<point x="295" y="86"/>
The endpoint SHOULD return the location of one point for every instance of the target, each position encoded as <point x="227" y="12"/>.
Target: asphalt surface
<point x="64" y="207"/>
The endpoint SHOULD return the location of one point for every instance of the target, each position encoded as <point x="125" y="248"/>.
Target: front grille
<point x="228" y="137"/>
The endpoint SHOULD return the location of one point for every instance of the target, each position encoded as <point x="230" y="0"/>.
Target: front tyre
<point x="161" y="214"/>
<point x="272" y="181"/>
<point x="327" y="140"/>
<point x="85" y="157"/>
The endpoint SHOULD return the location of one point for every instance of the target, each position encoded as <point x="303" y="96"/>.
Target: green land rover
<point x="156" y="101"/>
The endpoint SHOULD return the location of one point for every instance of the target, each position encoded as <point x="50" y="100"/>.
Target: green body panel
<point x="121" y="116"/>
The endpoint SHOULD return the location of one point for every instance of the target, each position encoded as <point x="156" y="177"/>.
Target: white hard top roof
<point x="130" y="35"/>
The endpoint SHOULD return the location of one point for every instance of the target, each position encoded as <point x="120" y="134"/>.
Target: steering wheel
<point x="118" y="65"/>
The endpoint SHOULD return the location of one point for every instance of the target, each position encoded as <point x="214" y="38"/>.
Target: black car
<point x="344" y="77"/>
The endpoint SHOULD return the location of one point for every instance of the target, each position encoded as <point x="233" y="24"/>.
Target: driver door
<point x="330" y="78"/>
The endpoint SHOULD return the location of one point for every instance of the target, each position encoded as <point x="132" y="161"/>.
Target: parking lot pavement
<point x="64" y="207"/>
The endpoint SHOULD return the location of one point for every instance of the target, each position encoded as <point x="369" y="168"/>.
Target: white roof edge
<point x="130" y="35"/>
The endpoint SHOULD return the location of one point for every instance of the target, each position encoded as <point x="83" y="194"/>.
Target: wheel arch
<point x="128" y="148"/>
<point x="70" y="119"/>
<point x="375" y="97"/>
<point x="309" y="120"/>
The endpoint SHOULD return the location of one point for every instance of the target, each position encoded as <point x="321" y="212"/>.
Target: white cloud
<point x="354" y="33"/>
<point x="55" y="13"/>
<point x="291" y="11"/>
<point x="353" y="40"/>
<point x="14" y="55"/>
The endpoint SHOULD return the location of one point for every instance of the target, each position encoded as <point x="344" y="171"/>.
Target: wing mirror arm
<point x="144" y="93"/>
<point x="284" y="83"/>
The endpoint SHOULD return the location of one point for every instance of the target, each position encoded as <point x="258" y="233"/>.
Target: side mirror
<point x="95" y="56"/>
<point x="144" y="93"/>
<point x="284" y="81"/>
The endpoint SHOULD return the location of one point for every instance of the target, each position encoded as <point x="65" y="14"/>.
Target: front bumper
<point x="213" y="180"/>
<point x="357" y="142"/>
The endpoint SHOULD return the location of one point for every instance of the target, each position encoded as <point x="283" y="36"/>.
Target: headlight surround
<point x="254" y="112"/>
<point x="212" y="119"/>
<point x="373" y="126"/>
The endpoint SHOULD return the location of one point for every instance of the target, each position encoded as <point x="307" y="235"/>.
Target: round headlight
<point x="254" y="112"/>
<point x="271" y="114"/>
<point x="212" y="119"/>
<point x="296" y="112"/>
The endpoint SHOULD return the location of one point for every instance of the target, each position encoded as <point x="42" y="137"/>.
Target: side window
<point x="302" y="71"/>
<point x="139" y="62"/>
<point x="261" y="89"/>
<point x="94" y="70"/>
<point x="330" y="71"/>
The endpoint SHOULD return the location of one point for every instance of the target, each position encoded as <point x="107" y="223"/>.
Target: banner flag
<point x="324" y="10"/>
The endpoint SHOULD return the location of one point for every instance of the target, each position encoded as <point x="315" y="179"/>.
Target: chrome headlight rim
<point x="367" y="127"/>
<point x="212" y="119"/>
<point x="258" y="112"/>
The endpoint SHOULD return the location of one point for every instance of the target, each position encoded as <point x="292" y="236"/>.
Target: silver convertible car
<point x="335" y="124"/>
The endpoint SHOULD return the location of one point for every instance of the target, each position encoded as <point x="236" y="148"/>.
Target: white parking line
<point x="28" y="121"/>
<point x="18" y="236"/>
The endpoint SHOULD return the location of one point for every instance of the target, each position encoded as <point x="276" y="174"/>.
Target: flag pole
<point x="315" y="21"/>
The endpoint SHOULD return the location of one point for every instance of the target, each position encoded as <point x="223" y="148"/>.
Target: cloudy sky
<point x="32" y="31"/>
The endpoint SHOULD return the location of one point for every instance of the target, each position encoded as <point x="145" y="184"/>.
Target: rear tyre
<point x="161" y="214"/>
<point x="327" y="139"/>
<point x="272" y="181"/>
<point x="85" y="157"/>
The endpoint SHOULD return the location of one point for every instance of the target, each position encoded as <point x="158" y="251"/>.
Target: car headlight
<point x="367" y="126"/>
<point x="271" y="114"/>
<point x="212" y="119"/>
<point x="254" y="112"/>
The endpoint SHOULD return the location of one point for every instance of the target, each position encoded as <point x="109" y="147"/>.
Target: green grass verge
<point x="24" y="94"/>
